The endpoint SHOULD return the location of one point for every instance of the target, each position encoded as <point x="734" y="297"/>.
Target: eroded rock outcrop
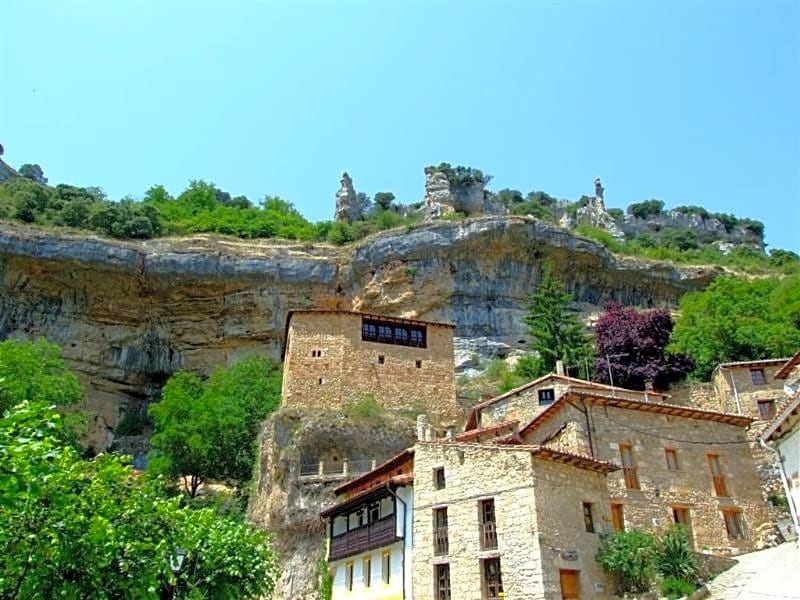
<point x="443" y="197"/>
<point x="128" y="314"/>
<point x="347" y="206"/>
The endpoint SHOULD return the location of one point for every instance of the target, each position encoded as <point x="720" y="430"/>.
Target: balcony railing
<point x="378" y="533"/>
<point x="441" y="544"/>
<point x="631" y="478"/>
<point x="720" y="489"/>
<point x="488" y="536"/>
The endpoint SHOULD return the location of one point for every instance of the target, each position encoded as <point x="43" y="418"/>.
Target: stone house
<point x="370" y="533"/>
<point x="334" y="357"/>
<point x="486" y="521"/>
<point x="749" y="388"/>
<point x="679" y="465"/>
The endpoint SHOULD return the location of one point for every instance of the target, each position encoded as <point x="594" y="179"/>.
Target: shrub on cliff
<point x="648" y="208"/>
<point x="207" y="431"/>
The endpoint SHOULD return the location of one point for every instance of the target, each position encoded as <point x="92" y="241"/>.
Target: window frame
<point x="487" y="526"/>
<point x="757" y="377"/>
<point x="439" y="478"/>
<point x="486" y="593"/>
<point x="672" y="452"/>
<point x="441" y="534"/>
<point x="366" y="571"/>
<point x="386" y="566"/>
<point x="770" y="412"/>
<point x="543" y="394"/>
<point x="349" y="568"/>
<point x="718" y="479"/>
<point x="629" y="470"/>
<point x="414" y="335"/>
<point x="439" y="592"/>
<point x="617" y="509"/>
<point x="588" y="517"/>
<point x="739" y="529"/>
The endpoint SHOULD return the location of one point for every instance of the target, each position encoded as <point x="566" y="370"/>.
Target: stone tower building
<point x="333" y="357"/>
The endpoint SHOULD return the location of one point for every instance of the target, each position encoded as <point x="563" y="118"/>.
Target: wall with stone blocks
<point x="328" y="365"/>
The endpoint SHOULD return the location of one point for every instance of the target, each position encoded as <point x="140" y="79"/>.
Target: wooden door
<point x="617" y="517"/>
<point x="570" y="584"/>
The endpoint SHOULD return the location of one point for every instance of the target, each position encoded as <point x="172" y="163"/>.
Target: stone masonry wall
<point x="538" y="511"/>
<point x="690" y="486"/>
<point x="328" y="365"/>
<point x="561" y="491"/>
<point x="473" y="473"/>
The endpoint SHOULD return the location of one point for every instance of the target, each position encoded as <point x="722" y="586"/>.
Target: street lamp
<point x="176" y="560"/>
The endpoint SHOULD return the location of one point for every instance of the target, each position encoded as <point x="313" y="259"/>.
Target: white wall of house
<point x="789" y="448"/>
<point x="400" y="554"/>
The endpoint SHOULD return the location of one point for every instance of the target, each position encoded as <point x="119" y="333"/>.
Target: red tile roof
<point x="788" y="367"/>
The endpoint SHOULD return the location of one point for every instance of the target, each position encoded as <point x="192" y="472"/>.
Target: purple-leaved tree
<point x="631" y="344"/>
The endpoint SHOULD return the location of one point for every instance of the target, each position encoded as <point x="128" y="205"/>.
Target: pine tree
<point x="555" y="328"/>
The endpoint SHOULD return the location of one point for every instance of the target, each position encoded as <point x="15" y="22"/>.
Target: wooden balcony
<point x="488" y="536"/>
<point x="375" y="535"/>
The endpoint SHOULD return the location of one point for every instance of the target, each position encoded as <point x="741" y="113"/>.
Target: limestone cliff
<point x="128" y="314"/>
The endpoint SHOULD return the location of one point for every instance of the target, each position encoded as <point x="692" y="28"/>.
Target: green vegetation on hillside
<point x="739" y="319"/>
<point x="207" y="431"/>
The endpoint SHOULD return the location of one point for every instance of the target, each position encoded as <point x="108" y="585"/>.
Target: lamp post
<point x="176" y="565"/>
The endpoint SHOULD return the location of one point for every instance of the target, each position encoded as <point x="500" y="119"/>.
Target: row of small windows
<point x="382" y="361"/>
<point x="366" y="571"/>
<point x="393" y="333"/>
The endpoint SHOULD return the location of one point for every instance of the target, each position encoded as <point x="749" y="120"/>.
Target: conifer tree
<point x="555" y="328"/>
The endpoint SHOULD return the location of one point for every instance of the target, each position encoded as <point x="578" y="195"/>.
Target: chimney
<point x="560" y="367"/>
<point x="451" y="433"/>
<point x="422" y="427"/>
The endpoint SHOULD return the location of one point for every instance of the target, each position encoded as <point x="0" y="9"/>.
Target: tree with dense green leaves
<point x="383" y="200"/>
<point x="738" y="319"/>
<point x="33" y="172"/>
<point x="645" y="209"/>
<point x="630" y="555"/>
<point x="74" y="528"/>
<point x="556" y="331"/>
<point x="34" y="371"/>
<point x="208" y="431"/>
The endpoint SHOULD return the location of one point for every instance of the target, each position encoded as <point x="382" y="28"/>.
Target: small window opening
<point x="757" y="375"/>
<point x="438" y="478"/>
<point x="588" y="517"/>
<point x="319" y="381"/>
<point x="381" y="359"/>
<point x="419" y="364"/>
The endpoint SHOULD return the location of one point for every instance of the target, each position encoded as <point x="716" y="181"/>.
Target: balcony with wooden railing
<point x="488" y="536"/>
<point x="379" y="533"/>
<point x="441" y="544"/>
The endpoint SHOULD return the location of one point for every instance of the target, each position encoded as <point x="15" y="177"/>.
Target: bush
<point x="645" y="209"/>
<point x="24" y="207"/>
<point x="629" y="556"/>
<point x="462" y="176"/>
<point x="674" y="555"/>
<point x="674" y="588"/>
<point x="364" y="408"/>
<point x="132" y="424"/>
<point x="529" y="367"/>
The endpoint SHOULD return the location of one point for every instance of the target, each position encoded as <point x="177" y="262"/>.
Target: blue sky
<point x="689" y="102"/>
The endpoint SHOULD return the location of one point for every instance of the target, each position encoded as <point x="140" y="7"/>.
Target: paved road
<point x="769" y="574"/>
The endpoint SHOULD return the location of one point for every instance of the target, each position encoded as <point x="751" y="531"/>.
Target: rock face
<point x="706" y="229"/>
<point x="6" y="172"/>
<point x="288" y="497"/>
<point x="128" y="314"/>
<point x="442" y="197"/>
<point x="347" y="207"/>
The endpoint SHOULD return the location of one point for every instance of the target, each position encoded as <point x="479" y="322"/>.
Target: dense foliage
<point x="208" y="431"/>
<point x="34" y="371"/>
<point x="556" y="331"/>
<point x="645" y="209"/>
<point x="75" y="528"/>
<point x="630" y="555"/>
<point x="461" y="176"/>
<point x="739" y="319"/>
<point x="674" y="555"/>
<point x="631" y="348"/>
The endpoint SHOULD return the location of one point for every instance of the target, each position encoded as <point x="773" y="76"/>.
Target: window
<point x="488" y="525"/>
<point x="766" y="409"/>
<point x="440" y="542"/>
<point x="617" y="517"/>
<point x="588" y="518"/>
<point x="757" y="376"/>
<point x="547" y="396"/>
<point x="492" y="579"/>
<point x="438" y="478"/>
<point x="720" y="488"/>
<point x="672" y="458"/>
<point x="348" y="577"/>
<point x="381" y="359"/>
<point x="442" y="578"/>
<point x="316" y="353"/>
<point x="367" y="572"/>
<point x="319" y="381"/>
<point x="628" y="470"/>
<point x="680" y="515"/>
<point x="386" y="566"/>
<point x="734" y="523"/>
<point x="418" y="364"/>
<point x="386" y="332"/>
<point x="374" y="512"/>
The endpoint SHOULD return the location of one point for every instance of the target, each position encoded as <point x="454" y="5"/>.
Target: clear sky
<point x="694" y="102"/>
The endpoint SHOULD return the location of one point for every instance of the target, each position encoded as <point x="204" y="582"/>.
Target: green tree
<point x="383" y="200"/>
<point x="24" y="207"/>
<point x="556" y="331"/>
<point x="34" y="371"/>
<point x="33" y="172"/>
<point x="208" y="431"/>
<point x="646" y="209"/>
<point x="74" y="528"/>
<point x="738" y="319"/>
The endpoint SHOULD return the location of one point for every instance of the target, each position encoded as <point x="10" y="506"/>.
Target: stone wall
<point x="538" y="508"/>
<point x="690" y="486"/>
<point x="328" y="365"/>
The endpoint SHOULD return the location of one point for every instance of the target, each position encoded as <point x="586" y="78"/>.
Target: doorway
<point x="570" y="584"/>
